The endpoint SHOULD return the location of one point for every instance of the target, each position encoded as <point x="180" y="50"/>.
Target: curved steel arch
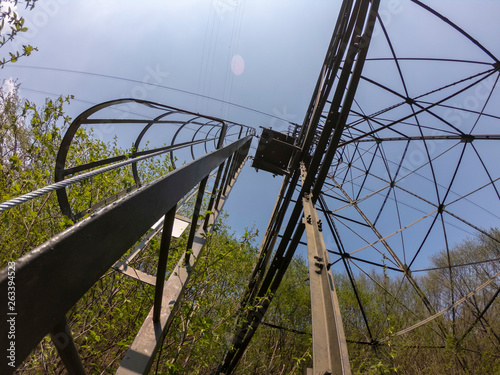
<point x="187" y="118"/>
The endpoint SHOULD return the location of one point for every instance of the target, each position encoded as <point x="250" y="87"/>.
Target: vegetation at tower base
<point x="470" y="343"/>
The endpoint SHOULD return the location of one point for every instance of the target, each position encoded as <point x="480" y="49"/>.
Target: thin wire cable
<point x="61" y="184"/>
<point x="152" y="84"/>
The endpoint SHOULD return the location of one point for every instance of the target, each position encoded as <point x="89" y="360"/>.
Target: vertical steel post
<point x="194" y="220"/>
<point x="210" y="207"/>
<point x="224" y="180"/>
<point x="166" y="236"/>
<point x="329" y="344"/>
<point x="63" y="340"/>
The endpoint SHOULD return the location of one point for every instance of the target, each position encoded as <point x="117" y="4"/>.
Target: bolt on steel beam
<point x="330" y="354"/>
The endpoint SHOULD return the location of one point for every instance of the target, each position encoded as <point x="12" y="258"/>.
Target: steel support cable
<point x="351" y="162"/>
<point x="461" y="109"/>
<point x="458" y="265"/>
<point x="404" y="268"/>
<point x="485" y="74"/>
<point x="349" y="227"/>
<point x="423" y="241"/>
<point x="482" y="137"/>
<point x="428" y="59"/>
<point x="399" y="346"/>
<point x="400" y="223"/>
<point x="346" y="218"/>
<point x="284" y="328"/>
<point x="427" y="153"/>
<point x="7" y="205"/>
<point x="442" y="203"/>
<point x="391" y="183"/>
<point x="442" y="312"/>
<point x="450" y="275"/>
<point x="492" y="182"/>
<point x="395" y="298"/>
<point x="448" y="212"/>
<point x="347" y="204"/>
<point x="343" y="254"/>
<point x="480" y="316"/>
<point x="485" y="104"/>
<point x="472" y="226"/>
<point x="394" y="56"/>
<point x="352" y="201"/>
<point x="361" y="158"/>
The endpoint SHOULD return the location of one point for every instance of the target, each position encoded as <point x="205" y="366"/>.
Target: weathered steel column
<point x="329" y="345"/>
<point x="62" y="338"/>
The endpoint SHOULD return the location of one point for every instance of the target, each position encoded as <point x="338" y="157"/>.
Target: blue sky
<point x="187" y="45"/>
<point x="264" y="55"/>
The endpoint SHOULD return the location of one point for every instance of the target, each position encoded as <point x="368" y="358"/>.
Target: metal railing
<point x="51" y="278"/>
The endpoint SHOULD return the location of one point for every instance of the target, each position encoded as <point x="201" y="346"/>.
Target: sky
<point x="260" y="54"/>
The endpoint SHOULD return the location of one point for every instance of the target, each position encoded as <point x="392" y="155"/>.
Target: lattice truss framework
<point x="410" y="169"/>
<point x="416" y="169"/>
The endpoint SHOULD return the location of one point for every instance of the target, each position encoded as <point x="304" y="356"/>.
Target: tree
<point x="29" y="139"/>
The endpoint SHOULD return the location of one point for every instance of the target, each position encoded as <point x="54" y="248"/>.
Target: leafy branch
<point x="11" y="24"/>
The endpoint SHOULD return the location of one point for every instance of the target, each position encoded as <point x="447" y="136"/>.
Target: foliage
<point x="11" y="24"/>
<point x="29" y="139"/>
<point x="107" y="318"/>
